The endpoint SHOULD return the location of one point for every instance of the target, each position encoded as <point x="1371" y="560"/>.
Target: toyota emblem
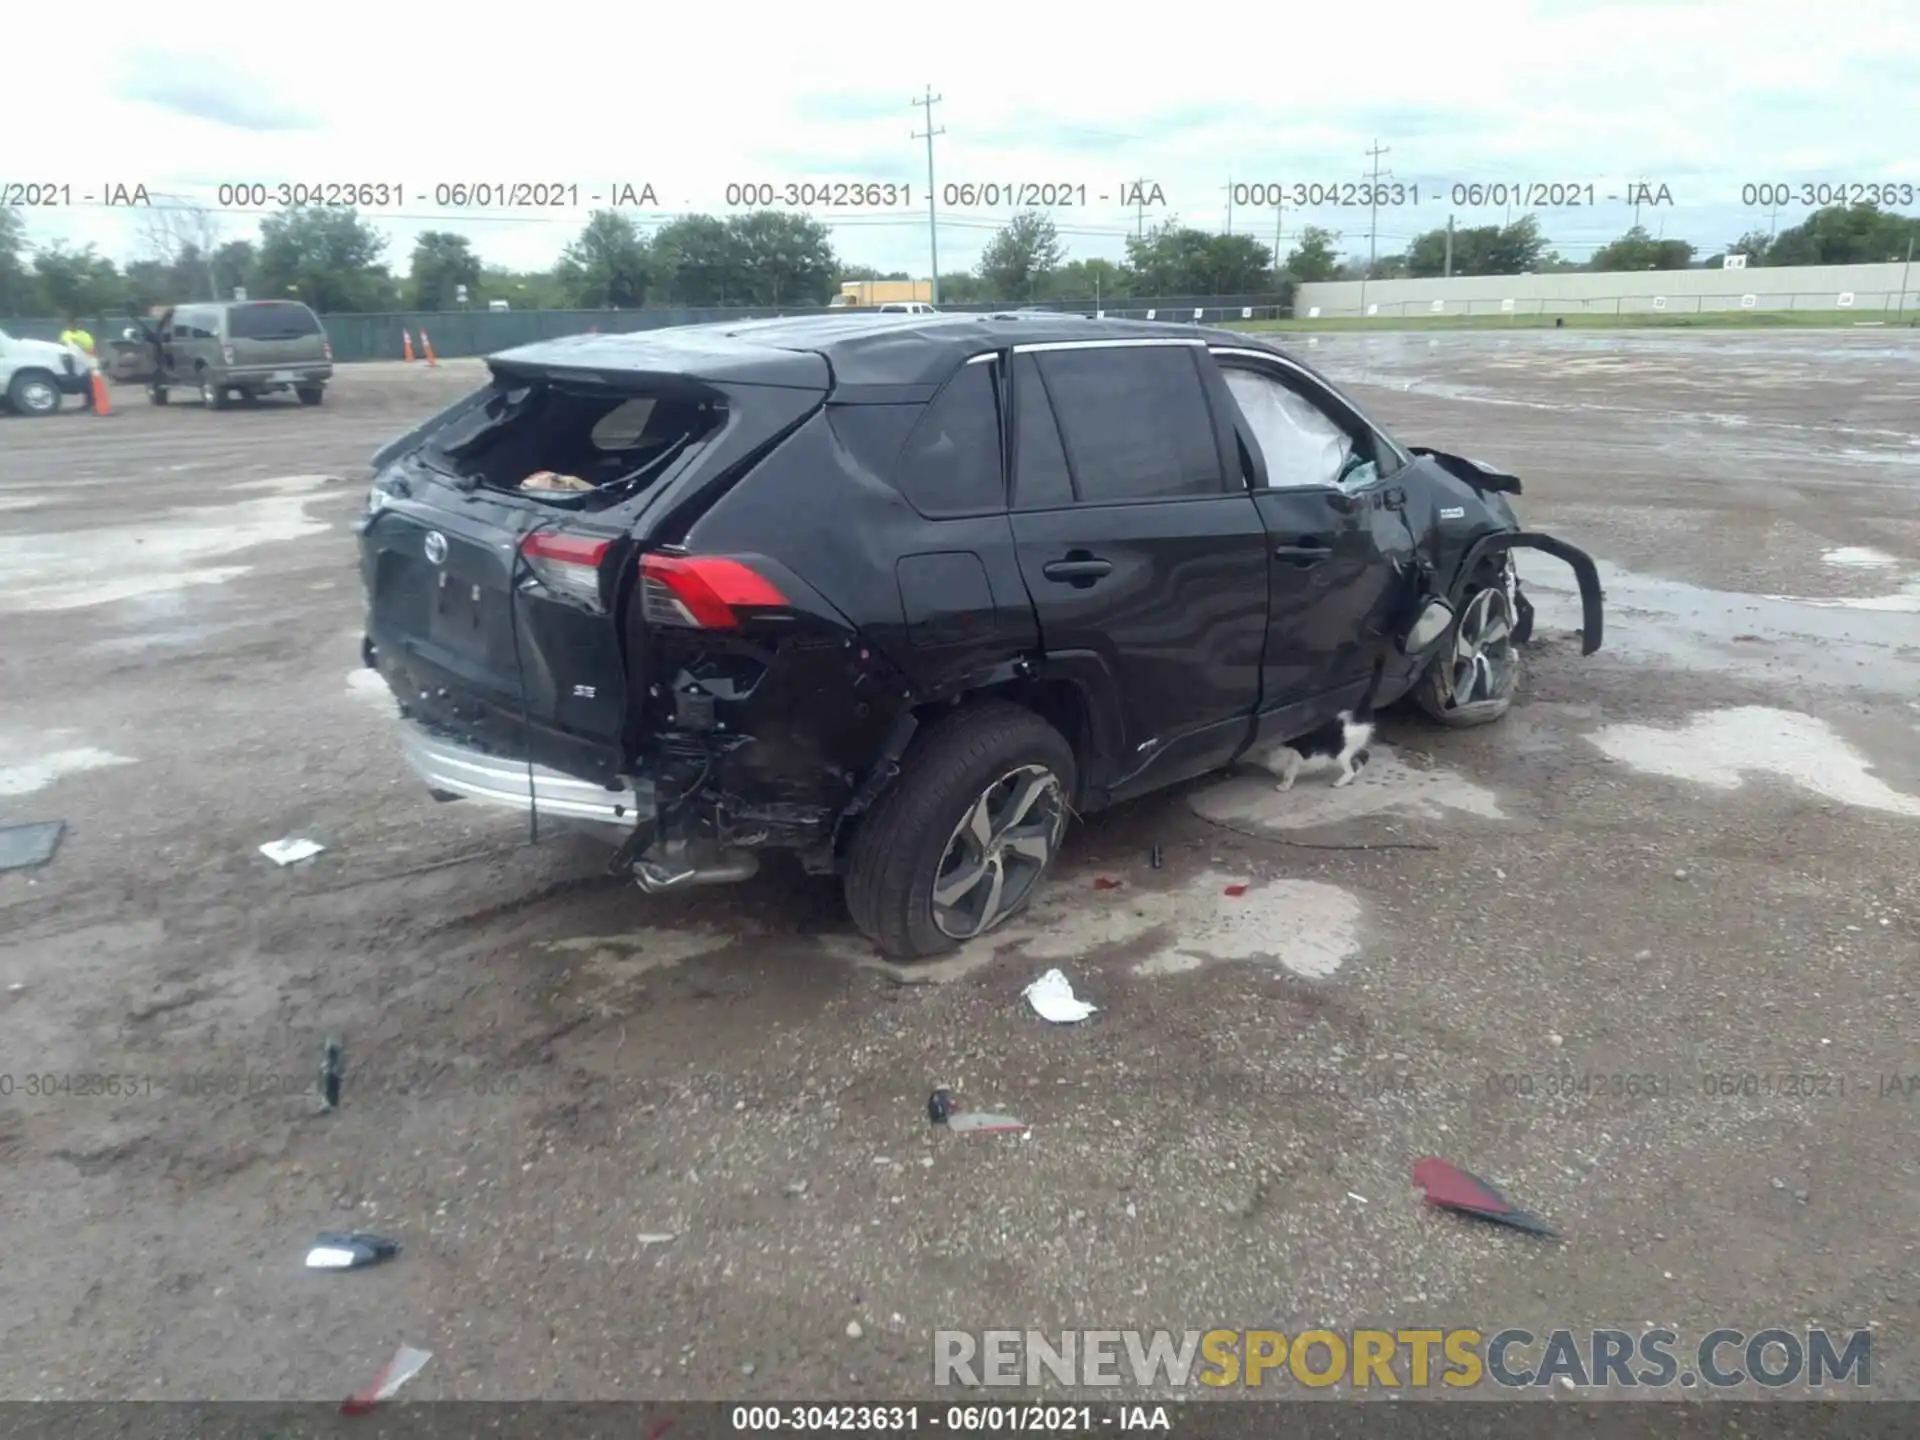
<point x="436" y="547"/>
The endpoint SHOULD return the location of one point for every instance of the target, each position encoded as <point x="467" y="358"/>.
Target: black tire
<point x="898" y="852"/>
<point x="311" y="394"/>
<point x="214" y="397"/>
<point x="1434" y="693"/>
<point x="156" y="394"/>
<point x="35" y="393"/>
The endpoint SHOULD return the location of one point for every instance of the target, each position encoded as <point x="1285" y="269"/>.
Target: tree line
<point x="337" y="261"/>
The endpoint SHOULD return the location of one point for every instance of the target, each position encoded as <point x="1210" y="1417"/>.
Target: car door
<point x="1140" y="552"/>
<point x="1324" y="482"/>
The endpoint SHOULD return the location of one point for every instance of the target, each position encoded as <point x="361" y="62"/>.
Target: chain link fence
<point x="1886" y="306"/>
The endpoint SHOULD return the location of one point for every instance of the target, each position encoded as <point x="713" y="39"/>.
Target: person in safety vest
<point x="80" y="341"/>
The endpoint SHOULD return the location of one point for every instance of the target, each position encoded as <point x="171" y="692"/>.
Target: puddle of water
<point x="23" y="771"/>
<point x="28" y="501"/>
<point x="1385" y="784"/>
<point x="1718" y="748"/>
<point x="1305" y="926"/>
<point x="76" y="568"/>
<point x="1838" y="644"/>
<point x="1858" y="557"/>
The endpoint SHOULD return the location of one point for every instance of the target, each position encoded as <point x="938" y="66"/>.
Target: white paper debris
<point x="660" y="1238"/>
<point x="1053" y="999"/>
<point x="286" y="852"/>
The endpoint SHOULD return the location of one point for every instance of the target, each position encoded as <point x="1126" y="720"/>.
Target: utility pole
<point x="1279" y="209"/>
<point x="1140" y="197"/>
<point x="1373" y="221"/>
<point x="1903" y="275"/>
<point x="933" y="224"/>
<point x="1449" y="274"/>
<point x="1229" y="205"/>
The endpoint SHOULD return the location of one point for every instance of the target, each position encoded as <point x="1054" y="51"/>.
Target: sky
<point x="1702" y="99"/>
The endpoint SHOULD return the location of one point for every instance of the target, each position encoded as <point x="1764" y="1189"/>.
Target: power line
<point x="933" y="225"/>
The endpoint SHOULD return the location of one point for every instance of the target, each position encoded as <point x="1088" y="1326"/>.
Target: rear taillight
<point x="326" y="350"/>
<point x="226" y="353"/>
<point x="568" y="565"/>
<point x="701" y="591"/>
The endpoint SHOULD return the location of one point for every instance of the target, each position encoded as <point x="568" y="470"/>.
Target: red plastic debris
<point x="1101" y="882"/>
<point x="1236" y="890"/>
<point x="404" y="1365"/>
<point x="1451" y="1188"/>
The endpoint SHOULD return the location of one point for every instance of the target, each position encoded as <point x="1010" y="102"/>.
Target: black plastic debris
<point x="1159" y="858"/>
<point x="22" y="847"/>
<point x="333" y="1069"/>
<point x="349" y="1250"/>
<point x="940" y="1105"/>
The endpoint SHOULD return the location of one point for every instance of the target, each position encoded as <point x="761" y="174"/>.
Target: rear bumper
<point x="452" y="769"/>
<point x="301" y="374"/>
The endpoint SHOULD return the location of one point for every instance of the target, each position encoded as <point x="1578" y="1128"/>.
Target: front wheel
<point x="157" y="394"/>
<point x="33" y="392"/>
<point x="959" y="844"/>
<point x="1473" y="678"/>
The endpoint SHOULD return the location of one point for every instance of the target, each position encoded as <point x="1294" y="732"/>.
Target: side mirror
<point x="1434" y="620"/>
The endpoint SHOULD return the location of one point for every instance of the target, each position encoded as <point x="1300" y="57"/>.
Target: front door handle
<point x="1077" y="569"/>
<point x="1302" y="555"/>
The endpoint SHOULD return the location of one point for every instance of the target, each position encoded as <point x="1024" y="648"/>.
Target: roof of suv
<point x="837" y="351"/>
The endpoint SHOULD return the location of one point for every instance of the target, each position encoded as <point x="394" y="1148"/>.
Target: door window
<point x="1041" y="480"/>
<point x="951" y="465"/>
<point x="1135" y="422"/>
<point x="1304" y="444"/>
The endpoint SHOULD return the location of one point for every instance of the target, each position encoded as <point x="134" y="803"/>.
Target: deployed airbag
<point x="1301" y="445"/>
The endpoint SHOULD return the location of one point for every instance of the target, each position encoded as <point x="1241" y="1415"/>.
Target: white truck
<point x="34" y="374"/>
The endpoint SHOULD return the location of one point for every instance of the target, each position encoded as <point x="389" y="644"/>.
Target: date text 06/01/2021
<point x="954" y="1419"/>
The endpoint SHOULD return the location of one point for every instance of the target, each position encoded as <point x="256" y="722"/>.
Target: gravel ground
<point x="678" y="1147"/>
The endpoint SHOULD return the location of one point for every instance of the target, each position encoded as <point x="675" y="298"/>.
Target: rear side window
<point x="271" y="320"/>
<point x="951" y="465"/>
<point x="1136" y="423"/>
<point x="1041" y="480"/>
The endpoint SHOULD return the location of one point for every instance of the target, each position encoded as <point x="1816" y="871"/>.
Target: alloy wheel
<point x="998" y="851"/>
<point x="1482" y="665"/>
<point x="38" y="397"/>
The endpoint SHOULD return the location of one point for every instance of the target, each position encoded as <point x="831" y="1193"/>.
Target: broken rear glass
<point x="550" y="440"/>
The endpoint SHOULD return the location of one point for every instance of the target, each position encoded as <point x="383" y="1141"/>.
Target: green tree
<point x="79" y="282"/>
<point x="18" y="292"/>
<point x="442" y="262"/>
<point x="1236" y="265"/>
<point x="235" y="267"/>
<point x="523" y="290"/>
<point x="1845" y="235"/>
<point x="696" y="261"/>
<point x="1755" y="245"/>
<point x="785" y="258"/>
<point x="1312" y="257"/>
<point x="1518" y="248"/>
<point x="1479" y="250"/>
<point x="326" y="256"/>
<point x="1020" y="257"/>
<point x="607" y="266"/>
<point x="1099" y="280"/>
<point x="1638" y="250"/>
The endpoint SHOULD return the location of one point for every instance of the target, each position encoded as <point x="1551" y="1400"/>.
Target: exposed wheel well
<point x="1058" y="702"/>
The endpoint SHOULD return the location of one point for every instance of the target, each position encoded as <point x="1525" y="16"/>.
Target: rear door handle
<point x="1077" y="571"/>
<point x="1302" y="555"/>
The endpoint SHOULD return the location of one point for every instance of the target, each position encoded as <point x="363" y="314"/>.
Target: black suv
<point x="899" y="594"/>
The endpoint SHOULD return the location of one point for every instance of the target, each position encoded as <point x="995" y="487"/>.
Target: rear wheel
<point x="960" y="842"/>
<point x="213" y="395"/>
<point x="311" y="394"/>
<point x="33" y="392"/>
<point x="1472" y="680"/>
<point x="157" y="394"/>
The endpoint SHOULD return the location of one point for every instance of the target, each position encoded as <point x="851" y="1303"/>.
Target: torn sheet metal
<point x="985" y="1122"/>
<point x="22" y="847"/>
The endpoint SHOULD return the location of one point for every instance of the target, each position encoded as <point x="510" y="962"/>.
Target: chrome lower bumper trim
<point x="456" y="769"/>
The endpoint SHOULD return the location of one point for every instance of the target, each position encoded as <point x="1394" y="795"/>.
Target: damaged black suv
<point x="901" y="593"/>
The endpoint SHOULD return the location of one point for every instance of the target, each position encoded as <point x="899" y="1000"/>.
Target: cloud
<point x="202" y="88"/>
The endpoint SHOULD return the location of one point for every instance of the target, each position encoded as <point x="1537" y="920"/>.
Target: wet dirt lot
<point x="1647" y="954"/>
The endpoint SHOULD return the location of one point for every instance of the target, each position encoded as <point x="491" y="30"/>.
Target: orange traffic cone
<point x="427" y="345"/>
<point x="101" y="404"/>
<point x="406" y="345"/>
